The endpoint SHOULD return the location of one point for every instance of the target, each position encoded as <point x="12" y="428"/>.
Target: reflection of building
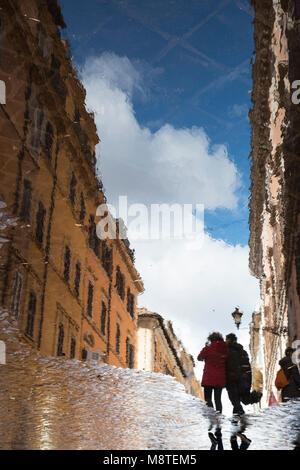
<point x="257" y="354"/>
<point x="71" y="293"/>
<point x="274" y="206"/>
<point x="159" y="350"/>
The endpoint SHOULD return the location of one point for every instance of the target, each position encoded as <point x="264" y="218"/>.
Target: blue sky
<point x="195" y="60"/>
<point x="169" y="82"/>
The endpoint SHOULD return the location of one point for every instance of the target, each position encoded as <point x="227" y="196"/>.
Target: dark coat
<point x="237" y="365"/>
<point x="292" y="374"/>
<point x="214" y="356"/>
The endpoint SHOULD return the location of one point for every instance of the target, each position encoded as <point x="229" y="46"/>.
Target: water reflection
<point x="54" y="403"/>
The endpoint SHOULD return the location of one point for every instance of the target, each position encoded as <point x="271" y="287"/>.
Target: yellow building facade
<point x="71" y="293"/>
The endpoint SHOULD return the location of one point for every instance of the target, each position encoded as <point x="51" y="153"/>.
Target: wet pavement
<point x="53" y="403"/>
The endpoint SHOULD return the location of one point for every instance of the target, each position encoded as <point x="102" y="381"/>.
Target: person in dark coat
<point x="291" y="371"/>
<point x="214" y="378"/>
<point x="238" y="373"/>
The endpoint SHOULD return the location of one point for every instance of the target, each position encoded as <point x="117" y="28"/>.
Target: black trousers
<point x="217" y="397"/>
<point x="233" y="391"/>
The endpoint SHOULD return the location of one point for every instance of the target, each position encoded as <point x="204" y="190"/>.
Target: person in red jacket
<point x="214" y="375"/>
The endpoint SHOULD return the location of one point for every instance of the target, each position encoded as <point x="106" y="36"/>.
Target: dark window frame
<point x="16" y="294"/>
<point x="31" y="314"/>
<point x="40" y="223"/>
<point x="103" y="318"/>
<point x="60" y="340"/>
<point x="72" y="191"/>
<point x="77" y="278"/>
<point x="26" y="202"/>
<point x="67" y="263"/>
<point x="118" y="339"/>
<point x="72" y="348"/>
<point x="89" y="307"/>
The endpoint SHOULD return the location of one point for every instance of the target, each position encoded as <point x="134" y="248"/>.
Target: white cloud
<point x="196" y="289"/>
<point x="170" y="165"/>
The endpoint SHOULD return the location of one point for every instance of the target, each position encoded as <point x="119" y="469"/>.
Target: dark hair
<point x="215" y="337"/>
<point x="289" y="351"/>
<point x="232" y="337"/>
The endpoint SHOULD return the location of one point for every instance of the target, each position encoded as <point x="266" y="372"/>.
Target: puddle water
<point x="53" y="403"/>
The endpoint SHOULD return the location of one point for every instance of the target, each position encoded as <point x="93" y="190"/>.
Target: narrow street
<point x="77" y="405"/>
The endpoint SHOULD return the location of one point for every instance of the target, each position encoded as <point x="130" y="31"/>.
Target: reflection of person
<point x="216" y="440"/>
<point x="214" y="380"/>
<point x="238" y="371"/>
<point x="245" y="442"/>
<point x="292" y="390"/>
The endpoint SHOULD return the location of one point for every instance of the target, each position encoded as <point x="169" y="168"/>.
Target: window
<point x="73" y="348"/>
<point x="31" y="314"/>
<point x="155" y="351"/>
<point x="94" y="241"/>
<point x="118" y="336"/>
<point x="103" y="318"/>
<point x="67" y="261"/>
<point x="76" y="115"/>
<point x="49" y="140"/>
<point x="40" y="220"/>
<point x="26" y="202"/>
<point x="36" y="126"/>
<point x="82" y="209"/>
<point x="89" y="309"/>
<point x="60" y="341"/>
<point x="16" y="294"/>
<point x="73" y="185"/>
<point x="130" y="302"/>
<point x="129" y="354"/>
<point x="77" y="278"/>
<point x="120" y="284"/>
<point x="107" y="258"/>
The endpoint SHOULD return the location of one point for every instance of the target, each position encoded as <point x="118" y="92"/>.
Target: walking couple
<point x="227" y="365"/>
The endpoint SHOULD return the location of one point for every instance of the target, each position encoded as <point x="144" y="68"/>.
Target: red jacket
<point x="214" y="356"/>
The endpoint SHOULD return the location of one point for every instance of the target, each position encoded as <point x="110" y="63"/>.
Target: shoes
<point x="214" y="441"/>
<point x="256" y="397"/>
<point x="243" y="437"/>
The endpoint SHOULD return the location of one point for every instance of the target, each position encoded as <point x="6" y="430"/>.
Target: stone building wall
<point x="160" y="351"/>
<point x="274" y="205"/>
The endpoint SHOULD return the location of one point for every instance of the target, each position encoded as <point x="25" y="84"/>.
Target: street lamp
<point x="237" y="315"/>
